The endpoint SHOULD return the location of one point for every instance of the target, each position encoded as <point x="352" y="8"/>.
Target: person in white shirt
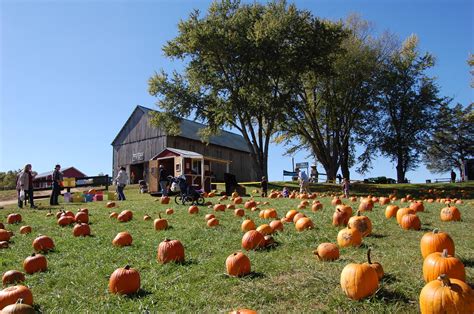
<point x="303" y="180"/>
<point x="121" y="181"/>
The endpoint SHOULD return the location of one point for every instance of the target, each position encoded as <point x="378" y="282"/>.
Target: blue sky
<point x="71" y="72"/>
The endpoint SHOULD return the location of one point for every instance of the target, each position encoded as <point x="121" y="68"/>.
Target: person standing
<point x="24" y="185"/>
<point x="264" y="186"/>
<point x="345" y="187"/>
<point x="121" y="181"/>
<point x="453" y="176"/>
<point x="303" y="180"/>
<point x="163" y="181"/>
<point x="57" y="179"/>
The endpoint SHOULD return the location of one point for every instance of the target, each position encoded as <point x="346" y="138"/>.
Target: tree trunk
<point x="400" y="169"/>
<point x="345" y="163"/>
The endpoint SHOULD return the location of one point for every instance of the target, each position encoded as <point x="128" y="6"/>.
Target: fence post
<point x="106" y="182"/>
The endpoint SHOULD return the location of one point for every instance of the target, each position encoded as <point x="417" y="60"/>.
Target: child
<point x="345" y="187"/>
<point x="264" y="185"/>
<point x="285" y="192"/>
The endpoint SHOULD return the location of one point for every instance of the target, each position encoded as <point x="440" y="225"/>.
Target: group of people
<point x="25" y="189"/>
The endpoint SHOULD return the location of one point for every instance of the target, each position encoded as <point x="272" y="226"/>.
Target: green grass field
<point x="287" y="278"/>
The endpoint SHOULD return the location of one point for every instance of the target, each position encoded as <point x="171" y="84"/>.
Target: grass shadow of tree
<point x="377" y="235"/>
<point x="140" y="294"/>
<point x="389" y="278"/>
<point x="468" y="262"/>
<point x="391" y="296"/>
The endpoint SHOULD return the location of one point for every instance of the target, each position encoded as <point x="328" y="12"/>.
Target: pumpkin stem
<point x="19" y="301"/>
<point x="159" y="215"/>
<point x="358" y="212"/>
<point x="444" y="278"/>
<point x="315" y="252"/>
<point x="368" y="255"/>
<point x="435" y="230"/>
<point x="127" y="267"/>
<point x="445" y="253"/>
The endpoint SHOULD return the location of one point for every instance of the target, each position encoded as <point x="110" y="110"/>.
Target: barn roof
<point x="50" y="173"/>
<point x="189" y="129"/>
<point x="180" y="152"/>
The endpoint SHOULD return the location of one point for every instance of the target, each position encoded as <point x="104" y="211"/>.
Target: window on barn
<point x="197" y="167"/>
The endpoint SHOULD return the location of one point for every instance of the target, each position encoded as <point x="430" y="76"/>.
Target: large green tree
<point x="236" y="59"/>
<point x="328" y="108"/>
<point x="407" y="106"/>
<point x="453" y="140"/>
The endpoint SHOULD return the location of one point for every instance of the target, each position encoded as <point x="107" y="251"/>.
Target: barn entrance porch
<point x="137" y="172"/>
<point x="195" y="167"/>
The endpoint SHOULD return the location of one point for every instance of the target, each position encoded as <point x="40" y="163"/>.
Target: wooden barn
<point x="140" y="147"/>
<point x="44" y="180"/>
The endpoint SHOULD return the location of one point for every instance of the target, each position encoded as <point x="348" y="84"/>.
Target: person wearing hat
<point x="163" y="181"/>
<point x="25" y="183"/>
<point x="121" y="181"/>
<point x="57" y="178"/>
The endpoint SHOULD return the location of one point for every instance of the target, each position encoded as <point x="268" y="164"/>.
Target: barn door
<point x="153" y="176"/>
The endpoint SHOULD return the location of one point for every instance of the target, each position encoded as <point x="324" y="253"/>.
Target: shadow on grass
<point x="389" y="278"/>
<point x="391" y="296"/>
<point x="188" y="262"/>
<point x="140" y="294"/>
<point x="270" y="247"/>
<point x="377" y="235"/>
<point x="37" y="308"/>
<point x="250" y="276"/>
<point x="468" y="262"/>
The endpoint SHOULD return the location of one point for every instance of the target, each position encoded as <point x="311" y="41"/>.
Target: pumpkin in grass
<point x="212" y="222"/>
<point x="438" y="263"/>
<point x="376" y="266"/>
<point x="193" y="209"/>
<point x="2" y="226"/>
<point x="237" y="264"/>
<point x="402" y="212"/>
<point x="286" y="220"/>
<point x="359" y="281"/>
<point x="234" y="194"/>
<point x="164" y="200"/>
<point x="11" y="295"/>
<point x="327" y="252"/>
<point x="384" y="201"/>
<point x="81" y="230"/>
<point x="43" y="244"/>
<point x="450" y="213"/>
<point x="4" y="245"/>
<point x="298" y="217"/>
<point x="349" y="237"/>
<point x="361" y="223"/>
<point x="25" y="229"/>
<point x="391" y="211"/>
<point x="345" y="208"/>
<point x="125" y="215"/>
<point x="250" y="204"/>
<point x="291" y="213"/>
<point x="35" y="263"/>
<point x="170" y="251"/>
<point x="84" y="210"/>
<point x="446" y="295"/>
<point x="146" y="217"/>
<point x="252" y="240"/>
<point x="209" y="216"/>
<point x="239" y="212"/>
<point x="124" y="281"/>
<point x="336" y="201"/>
<point x="366" y="205"/>
<point x="410" y="222"/>
<point x="219" y="207"/>
<point x="110" y="204"/>
<point x="276" y="225"/>
<point x="238" y="200"/>
<point x="69" y="214"/>
<point x="113" y="215"/>
<point x="339" y="218"/>
<point x="160" y="223"/>
<point x="243" y="311"/>
<point x="12" y="277"/>
<point x="248" y="225"/>
<point x="169" y="211"/>
<point x="82" y="217"/>
<point x="122" y="239"/>
<point x="316" y="206"/>
<point x="4" y="235"/>
<point x="230" y="206"/>
<point x="65" y="220"/>
<point x="14" y="218"/>
<point x="417" y="206"/>
<point x="304" y="223"/>
<point x="436" y="241"/>
<point x="270" y="213"/>
<point x="18" y="308"/>
<point x="265" y="229"/>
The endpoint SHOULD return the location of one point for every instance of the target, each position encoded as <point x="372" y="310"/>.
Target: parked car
<point x="380" y="180"/>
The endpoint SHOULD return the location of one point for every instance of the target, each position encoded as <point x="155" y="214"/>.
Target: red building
<point x="44" y="180"/>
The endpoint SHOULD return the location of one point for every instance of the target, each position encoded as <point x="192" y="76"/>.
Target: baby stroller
<point x="143" y="186"/>
<point x="188" y="194"/>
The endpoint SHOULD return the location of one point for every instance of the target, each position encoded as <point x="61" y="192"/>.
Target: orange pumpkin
<point x="194" y="209"/>
<point x="410" y="221"/>
<point x="252" y="240"/>
<point x="170" y="251"/>
<point x="349" y="237"/>
<point x="12" y="277"/>
<point x="402" y="212"/>
<point x="14" y="218"/>
<point x="446" y="295"/>
<point x="265" y="229"/>
<point x="43" y="244"/>
<point x="81" y="230"/>
<point x="212" y="222"/>
<point x="303" y="224"/>
<point x="438" y="263"/>
<point x="436" y="241"/>
<point x="391" y="211"/>
<point x="35" y="263"/>
<point x="376" y="266"/>
<point x="125" y="216"/>
<point x="122" y="239"/>
<point x="4" y="235"/>
<point x="237" y="264"/>
<point x="361" y="223"/>
<point x="276" y="225"/>
<point x="327" y="252"/>
<point x="11" y="294"/>
<point x="160" y="223"/>
<point x="359" y="281"/>
<point x="169" y="211"/>
<point x="250" y="204"/>
<point x="239" y="212"/>
<point x="450" y="213"/>
<point x="339" y="218"/>
<point x="124" y="281"/>
<point x="417" y="206"/>
<point x="82" y="217"/>
<point x="25" y="230"/>
<point x="248" y="225"/>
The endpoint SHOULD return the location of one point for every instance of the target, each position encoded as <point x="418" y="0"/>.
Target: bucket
<point x="89" y="197"/>
<point x="98" y="197"/>
<point x="111" y="196"/>
<point x="67" y="197"/>
<point x="78" y="198"/>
